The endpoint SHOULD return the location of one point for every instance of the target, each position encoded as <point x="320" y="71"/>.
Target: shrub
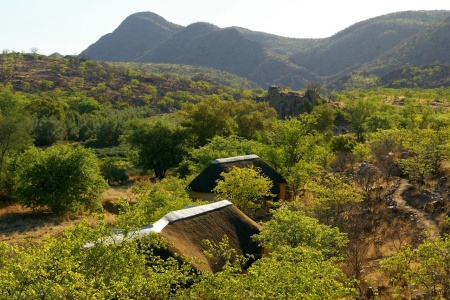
<point x="61" y="177"/>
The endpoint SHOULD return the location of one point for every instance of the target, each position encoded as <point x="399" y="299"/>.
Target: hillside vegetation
<point x="367" y="172"/>
<point x="375" y="47"/>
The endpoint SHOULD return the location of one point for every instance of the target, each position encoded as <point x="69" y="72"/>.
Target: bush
<point x="114" y="172"/>
<point x="61" y="177"/>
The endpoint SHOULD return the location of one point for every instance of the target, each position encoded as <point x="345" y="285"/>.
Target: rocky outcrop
<point x="286" y="103"/>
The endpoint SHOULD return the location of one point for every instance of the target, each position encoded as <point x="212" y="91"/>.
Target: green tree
<point x="60" y="177"/>
<point x="325" y="115"/>
<point x="209" y="118"/>
<point x="159" y="145"/>
<point x="427" y="150"/>
<point x="330" y="197"/>
<point x="253" y="118"/>
<point x="64" y="268"/>
<point x="425" y="268"/>
<point x="246" y="188"/>
<point x="220" y="147"/>
<point x="360" y="110"/>
<point x="15" y="126"/>
<point x="294" y="229"/>
<point x="110" y="130"/>
<point x="288" y="273"/>
<point x="48" y="130"/>
<point x="154" y="201"/>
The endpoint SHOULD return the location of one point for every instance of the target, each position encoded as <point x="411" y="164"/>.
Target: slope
<point x="365" y="41"/>
<point x="137" y="34"/>
<point x="430" y="46"/>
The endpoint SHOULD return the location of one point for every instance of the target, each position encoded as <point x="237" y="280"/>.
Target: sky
<point x="70" y="26"/>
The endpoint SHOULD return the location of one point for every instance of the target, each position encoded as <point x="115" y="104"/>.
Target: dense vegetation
<point x="343" y="160"/>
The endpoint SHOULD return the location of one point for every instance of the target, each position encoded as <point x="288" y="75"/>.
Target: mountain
<point x="427" y="47"/>
<point x="139" y="33"/>
<point x="422" y="60"/>
<point x="374" y="45"/>
<point x="365" y="41"/>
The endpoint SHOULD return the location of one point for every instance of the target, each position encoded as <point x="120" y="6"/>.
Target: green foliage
<point x="209" y="118"/>
<point x="360" y="110"/>
<point x="84" y="105"/>
<point x="114" y="171"/>
<point x="343" y="143"/>
<point x="220" y="147"/>
<point x="217" y="117"/>
<point x="290" y="273"/>
<point x="60" y="177"/>
<point x="154" y="201"/>
<point x="159" y="145"/>
<point x="293" y="140"/>
<point x="110" y="130"/>
<point x="223" y="256"/>
<point x="15" y="127"/>
<point x="64" y="268"/>
<point x="424" y="268"/>
<point x="330" y="196"/>
<point x="427" y="150"/>
<point x="325" y="116"/>
<point x="294" y="229"/>
<point x="246" y="188"/>
<point x="48" y="130"/>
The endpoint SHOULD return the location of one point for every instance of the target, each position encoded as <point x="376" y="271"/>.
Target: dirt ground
<point x="19" y="225"/>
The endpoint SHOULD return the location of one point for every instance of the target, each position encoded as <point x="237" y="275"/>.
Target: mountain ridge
<point x="266" y="58"/>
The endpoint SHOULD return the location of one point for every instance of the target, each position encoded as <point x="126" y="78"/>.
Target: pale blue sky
<point x="70" y="26"/>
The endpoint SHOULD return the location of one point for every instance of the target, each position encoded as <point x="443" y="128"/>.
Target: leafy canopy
<point x="60" y="177"/>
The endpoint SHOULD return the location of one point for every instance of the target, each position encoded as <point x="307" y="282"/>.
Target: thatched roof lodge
<point x="187" y="228"/>
<point x="201" y="187"/>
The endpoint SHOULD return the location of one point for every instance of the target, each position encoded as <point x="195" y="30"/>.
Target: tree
<point x="360" y="110"/>
<point x="253" y="118"/>
<point x="245" y="187"/>
<point x="325" y="116"/>
<point x="208" y="119"/>
<point x="15" y="126"/>
<point x="331" y="196"/>
<point x="425" y="268"/>
<point x="385" y="146"/>
<point x="290" y="273"/>
<point x="159" y="145"/>
<point x="427" y="150"/>
<point x="294" y="229"/>
<point x="220" y="147"/>
<point x="63" y="268"/>
<point x="60" y="177"/>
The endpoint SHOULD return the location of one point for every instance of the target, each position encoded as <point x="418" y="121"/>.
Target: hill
<point x="109" y="84"/>
<point x="192" y="72"/>
<point x="429" y="46"/>
<point x="229" y="50"/>
<point x="373" y="46"/>
<point x="421" y="60"/>
<point x="137" y="34"/>
<point x="365" y="41"/>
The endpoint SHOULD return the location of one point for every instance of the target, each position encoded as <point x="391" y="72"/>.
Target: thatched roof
<point x="187" y="234"/>
<point x="187" y="228"/>
<point x="206" y="181"/>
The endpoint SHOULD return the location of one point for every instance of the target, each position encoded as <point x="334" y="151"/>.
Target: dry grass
<point x="20" y="225"/>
